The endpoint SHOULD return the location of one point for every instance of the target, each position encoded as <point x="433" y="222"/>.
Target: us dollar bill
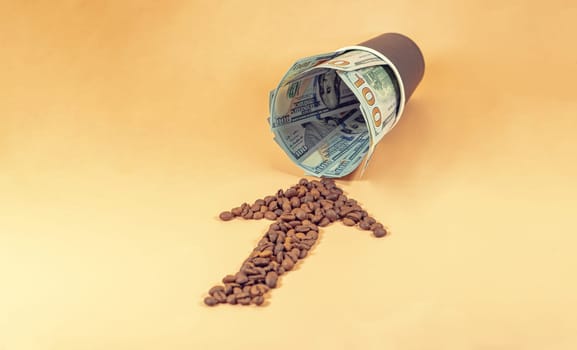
<point x="377" y="93"/>
<point x="351" y="60"/>
<point x="302" y="140"/>
<point x="330" y="111"/>
<point x="306" y="99"/>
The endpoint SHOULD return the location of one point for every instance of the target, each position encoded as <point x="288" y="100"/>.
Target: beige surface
<point x="126" y="126"/>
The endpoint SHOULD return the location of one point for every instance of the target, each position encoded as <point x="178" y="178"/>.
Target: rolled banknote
<point x="329" y="111"/>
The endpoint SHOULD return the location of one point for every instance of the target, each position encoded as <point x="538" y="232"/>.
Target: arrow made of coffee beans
<point x="297" y="212"/>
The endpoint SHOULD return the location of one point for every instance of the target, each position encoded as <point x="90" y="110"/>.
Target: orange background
<point x="127" y="126"/>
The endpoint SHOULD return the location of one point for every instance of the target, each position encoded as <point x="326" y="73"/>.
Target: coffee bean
<point x="226" y="216"/>
<point x="228" y="289"/>
<point x="300" y="214"/>
<point x="281" y="237"/>
<point x="272" y="235"/>
<point x="301" y="191"/>
<point x="278" y="248"/>
<point x="249" y="270"/>
<point x="316" y="219"/>
<point x="280" y="256"/>
<point x="255" y="207"/>
<point x="380" y="232"/>
<point x="254" y="291"/>
<point x="332" y="196"/>
<point x="294" y="254"/>
<point x="271" y="279"/>
<point x="231" y="299"/>
<point x="331" y="215"/>
<point x="256" y="278"/>
<point x="215" y="289"/>
<point x="307" y="244"/>
<point x="269" y="199"/>
<point x="370" y="220"/>
<point x="324" y="222"/>
<point x="291" y="192"/>
<point x="266" y="245"/>
<point x="303" y="182"/>
<point x="241" y="278"/>
<point x="273" y="205"/>
<point x="295" y="202"/>
<point x="249" y="214"/>
<point x="236" y="211"/>
<point x="301" y="236"/>
<point x="237" y="290"/>
<point x="210" y="301"/>
<point x="258" y="300"/>
<point x="302" y="228"/>
<point x="281" y="270"/>
<point x="312" y="235"/>
<point x="242" y="294"/>
<point x="288" y="244"/>
<point x="294" y="223"/>
<point x="287" y="263"/>
<point x="287" y="217"/>
<point x="269" y="215"/>
<point x="364" y="225"/>
<point x="258" y="215"/>
<point x="243" y="301"/>
<point x="278" y="212"/>
<point x="262" y="288"/>
<point x="303" y="253"/>
<point x="285" y="226"/>
<point x="315" y="194"/>
<point x="355" y="216"/>
<point x="260" y="262"/>
<point x="286" y="206"/>
<point x="220" y="296"/>
<point x="273" y="266"/>
<point x="376" y="225"/>
<point x="345" y="210"/>
<point x="228" y="279"/>
<point x="265" y="253"/>
<point x="348" y="222"/>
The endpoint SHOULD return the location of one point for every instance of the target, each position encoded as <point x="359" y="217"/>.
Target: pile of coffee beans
<point x="297" y="212"/>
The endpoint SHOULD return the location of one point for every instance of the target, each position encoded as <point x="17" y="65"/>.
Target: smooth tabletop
<point x="127" y="126"/>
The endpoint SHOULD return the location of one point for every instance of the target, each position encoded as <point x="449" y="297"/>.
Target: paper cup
<point x="329" y="111"/>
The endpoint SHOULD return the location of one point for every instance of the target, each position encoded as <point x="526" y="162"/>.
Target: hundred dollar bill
<point x="299" y="140"/>
<point x="379" y="101"/>
<point x="329" y="111"/>
<point x="331" y="153"/>
<point x="351" y="60"/>
<point x="349" y="161"/>
<point x="297" y="87"/>
<point x="310" y="97"/>
<point x="315" y="151"/>
<point x="305" y="64"/>
<point x="377" y="95"/>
